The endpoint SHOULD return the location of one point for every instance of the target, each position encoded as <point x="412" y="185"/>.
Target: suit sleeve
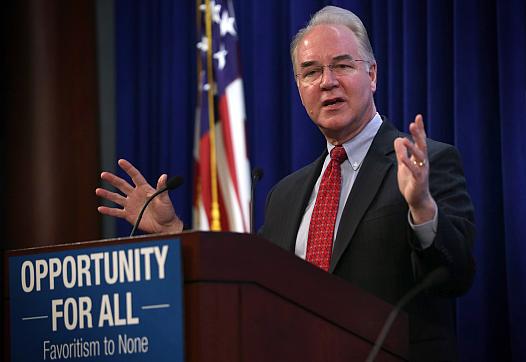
<point x="455" y="235"/>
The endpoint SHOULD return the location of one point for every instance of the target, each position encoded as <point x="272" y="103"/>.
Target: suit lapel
<point x="373" y="170"/>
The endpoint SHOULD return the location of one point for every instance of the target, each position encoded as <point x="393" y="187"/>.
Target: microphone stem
<point x="144" y="208"/>
<point x="252" y="188"/>
<point x="437" y="276"/>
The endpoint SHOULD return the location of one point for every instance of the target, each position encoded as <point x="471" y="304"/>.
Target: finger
<point x="162" y="181"/>
<point x="401" y="147"/>
<point x="117" y="182"/>
<point x="418" y="132"/>
<point x="417" y="162"/>
<point x="417" y="155"/>
<point x="112" y="211"/>
<point x="401" y="150"/>
<point x="137" y="178"/>
<point x="111" y="196"/>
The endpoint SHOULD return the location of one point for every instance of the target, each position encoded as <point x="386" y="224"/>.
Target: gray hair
<point x="337" y="16"/>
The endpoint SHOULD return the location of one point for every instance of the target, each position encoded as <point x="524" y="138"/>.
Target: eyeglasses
<point x="313" y="74"/>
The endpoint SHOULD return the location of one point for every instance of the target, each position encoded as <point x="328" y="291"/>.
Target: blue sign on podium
<point x="113" y="302"/>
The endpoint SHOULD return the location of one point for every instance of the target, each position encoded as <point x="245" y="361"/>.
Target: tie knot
<point x="338" y="154"/>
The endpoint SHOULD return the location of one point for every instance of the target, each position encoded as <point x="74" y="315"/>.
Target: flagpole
<point x="196" y="217"/>
<point x="215" y="224"/>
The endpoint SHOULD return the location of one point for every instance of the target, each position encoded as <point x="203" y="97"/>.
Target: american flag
<point x="222" y="170"/>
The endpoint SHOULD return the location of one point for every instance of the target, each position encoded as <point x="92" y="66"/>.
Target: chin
<point x="335" y="123"/>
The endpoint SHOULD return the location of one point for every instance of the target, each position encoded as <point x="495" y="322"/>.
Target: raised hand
<point x="160" y="215"/>
<point x="413" y="172"/>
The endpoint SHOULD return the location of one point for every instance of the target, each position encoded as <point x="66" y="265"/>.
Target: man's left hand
<point x="413" y="172"/>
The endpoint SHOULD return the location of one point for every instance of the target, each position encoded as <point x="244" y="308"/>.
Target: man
<point x="377" y="208"/>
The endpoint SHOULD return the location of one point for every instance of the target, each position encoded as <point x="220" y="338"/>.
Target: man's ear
<point x="373" y="76"/>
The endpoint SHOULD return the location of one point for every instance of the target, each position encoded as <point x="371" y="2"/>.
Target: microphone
<point x="171" y="184"/>
<point x="437" y="276"/>
<point x="257" y="174"/>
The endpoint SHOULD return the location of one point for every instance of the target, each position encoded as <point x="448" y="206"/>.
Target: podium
<point x="246" y="299"/>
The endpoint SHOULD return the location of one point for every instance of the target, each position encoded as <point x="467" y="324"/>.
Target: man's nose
<point x="328" y="79"/>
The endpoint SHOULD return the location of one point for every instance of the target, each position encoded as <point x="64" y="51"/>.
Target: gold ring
<point x="419" y="163"/>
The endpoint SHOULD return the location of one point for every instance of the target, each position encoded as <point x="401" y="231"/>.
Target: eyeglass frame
<point x="321" y="67"/>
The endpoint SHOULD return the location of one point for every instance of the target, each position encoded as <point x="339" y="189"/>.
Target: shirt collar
<point x="357" y="147"/>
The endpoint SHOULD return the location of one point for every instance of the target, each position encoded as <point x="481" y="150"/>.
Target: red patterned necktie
<point x="323" y="220"/>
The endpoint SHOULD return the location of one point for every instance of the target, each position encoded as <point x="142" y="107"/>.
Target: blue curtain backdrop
<point x="460" y="63"/>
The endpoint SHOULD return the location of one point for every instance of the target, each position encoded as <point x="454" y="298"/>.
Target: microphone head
<point x="257" y="174"/>
<point x="174" y="182"/>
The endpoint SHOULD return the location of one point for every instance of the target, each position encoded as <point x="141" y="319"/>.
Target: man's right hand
<point x="159" y="216"/>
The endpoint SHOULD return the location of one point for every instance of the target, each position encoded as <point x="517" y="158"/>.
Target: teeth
<point x="330" y="103"/>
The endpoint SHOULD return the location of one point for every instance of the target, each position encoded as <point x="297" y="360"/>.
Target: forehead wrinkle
<point x="336" y="58"/>
<point x="343" y="57"/>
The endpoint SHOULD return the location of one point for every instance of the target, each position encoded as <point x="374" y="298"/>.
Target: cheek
<point x="312" y="107"/>
<point x="359" y="91"/>
<point x="309" y="100"/>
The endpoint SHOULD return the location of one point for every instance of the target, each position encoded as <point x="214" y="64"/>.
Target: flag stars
<point x="207" y="87"/>
<point x="203" y="44"/>
<point x="216" y="9"/>
<point x="221" y="57"/>
<point x="227" y="24"/>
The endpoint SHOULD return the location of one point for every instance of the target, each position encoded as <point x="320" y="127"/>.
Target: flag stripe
<point x="229" y="194"/>
<point x="232" y="165"/>
<point x="236" y="108"/>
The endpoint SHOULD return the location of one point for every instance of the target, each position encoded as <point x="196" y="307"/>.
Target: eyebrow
<point x="343" y="57"/>
<point x="334" y="59"/>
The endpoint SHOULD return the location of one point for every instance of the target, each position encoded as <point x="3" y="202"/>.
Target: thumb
<point x="400" y="149"/>
<point x="162" y="181"/>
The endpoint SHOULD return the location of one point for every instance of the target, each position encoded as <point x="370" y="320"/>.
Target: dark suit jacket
<point x="375" y="247"/>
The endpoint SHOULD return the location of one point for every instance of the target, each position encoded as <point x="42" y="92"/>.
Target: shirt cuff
<point x="425" y="232"/>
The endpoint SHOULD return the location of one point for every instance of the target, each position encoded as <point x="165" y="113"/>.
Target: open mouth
<point x="332" y="101"/>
